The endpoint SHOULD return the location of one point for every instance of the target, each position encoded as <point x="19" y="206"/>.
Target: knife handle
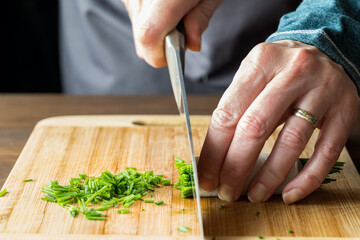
<point x="181" y="27"/>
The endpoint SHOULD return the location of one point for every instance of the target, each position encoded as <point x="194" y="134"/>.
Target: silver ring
<point x="309" y="117"/>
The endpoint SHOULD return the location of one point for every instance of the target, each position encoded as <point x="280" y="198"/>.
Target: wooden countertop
<point x="20" y="113"/>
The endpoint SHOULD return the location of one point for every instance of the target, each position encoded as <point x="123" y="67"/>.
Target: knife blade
<point x="175" y="56"/>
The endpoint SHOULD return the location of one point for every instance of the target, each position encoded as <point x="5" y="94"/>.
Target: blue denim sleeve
<point x="333" y="26"/>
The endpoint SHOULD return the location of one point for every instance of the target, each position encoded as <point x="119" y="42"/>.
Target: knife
<point x="175" y="56"/>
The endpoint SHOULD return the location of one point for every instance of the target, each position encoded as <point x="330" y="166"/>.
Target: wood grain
<point x="20" y="113"/>
<point x="60" y="148"/>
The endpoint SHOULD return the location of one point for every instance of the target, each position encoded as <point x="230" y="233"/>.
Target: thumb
<point x="197" y="20"/>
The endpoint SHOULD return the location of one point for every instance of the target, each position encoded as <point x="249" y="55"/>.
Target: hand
<point x="152" y="20"/>
<point x="272" y="80"/>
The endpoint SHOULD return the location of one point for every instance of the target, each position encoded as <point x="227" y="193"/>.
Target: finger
<point x="153" y="22"/>
<point x="289" y="145"/>
<point x="254" y="127"/>
<point x="250" y="76"/>
<point x="196" y="22"/>
<point x="330" y="143"/>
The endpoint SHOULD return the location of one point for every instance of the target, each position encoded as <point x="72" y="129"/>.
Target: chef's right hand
<point x="152" y="20"/>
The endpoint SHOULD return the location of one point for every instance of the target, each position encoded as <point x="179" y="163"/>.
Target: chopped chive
<point x="82" y="175"/>
<point x="103" y="208"/>
<point x="143" y="210"/>
<point x="166" y="182"/>
<point x="123" y="211"/>
<point x="149" y="201"/>
<point x="260" y="236"/>
<point x="28" y="180"/>
<point x="94" y="218"/>
<point x="108" y="190"/>
<point x="3" y="192"/>
<point x="159" y="203"/>
<point x="257" y="213"/>
<point x="183" y="228"/>
<point x="128" y="204"/>
<point x="290" y="231"/>
<point x="152" y="194"/>
<point x="221" y="206"/>
<point x="183" y="209"/>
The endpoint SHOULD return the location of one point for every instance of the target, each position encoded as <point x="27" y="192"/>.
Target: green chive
<point x="290" y="231"/>
<point x="95" y="218"/>
<point x="183" y="209"/>
<point x="123" y="211"/>
<point x="257" y="213"/>
<point x="103" y="208"/>
<point x="143" y="210"/>
<point x="221" y="206"/>
<point x="166" y="182"/>
<point x="128" y="204"/>
<point x="3" y="192"/>
<point x="28" y="180"/>
<point x="260" y="236"/>
<point x="152" y="194"/>
<point x="183" y="228"/>
<point x="149" y="201"/>
<point x="159" y="203"/>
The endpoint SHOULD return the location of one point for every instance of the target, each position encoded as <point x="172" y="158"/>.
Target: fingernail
<point x="206" y="181"/>
<point x="293" y="195"/>
<point x="226" y="193"/>
<point x="257" y="193"/>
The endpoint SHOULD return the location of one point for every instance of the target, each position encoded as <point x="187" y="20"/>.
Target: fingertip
<point x="227" y="193"/>
<point x="258" y="193"/>
<point x="193" y="32"/>
<point x="155" y="59"/>
<point x="159" y="63"/>
<point x="293" y="195"/>
<point x="207" y="182"/>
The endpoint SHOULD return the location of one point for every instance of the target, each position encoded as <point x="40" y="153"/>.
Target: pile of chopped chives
<point x="185" y="171"/>
<point x="108" y="189"/>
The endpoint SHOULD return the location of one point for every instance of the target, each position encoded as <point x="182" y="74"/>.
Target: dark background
<point x="29" y="56"/>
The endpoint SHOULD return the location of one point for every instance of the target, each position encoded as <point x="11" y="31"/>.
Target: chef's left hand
<point x="272" y="81"/>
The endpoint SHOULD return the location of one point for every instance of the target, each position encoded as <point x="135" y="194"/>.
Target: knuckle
<point x="262" y="48"/>
<point x="224" y="120"/>
<point x="272" y="175"/>
<point x="252" y="69"/>
<point x="231" y="170"/>
<point x="302" y="62"/>
<point x="313" y="180"/>
<point x="262" y="52"/>
<point x="146" y="34"/>
<point x="330" y="153"/>
<point x="253" y="127"/>
<point x="292" y="138"/>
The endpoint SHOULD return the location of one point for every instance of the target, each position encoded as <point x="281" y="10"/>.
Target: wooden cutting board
<point x="62" y="147"/>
